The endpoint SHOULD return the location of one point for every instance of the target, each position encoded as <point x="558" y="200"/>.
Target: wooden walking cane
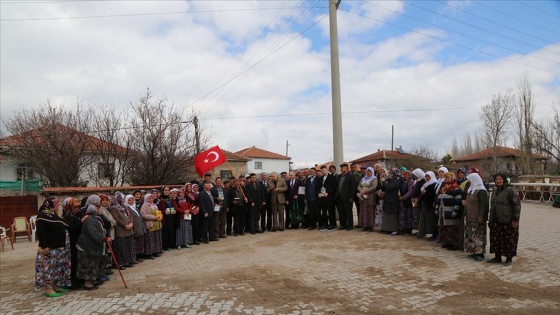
<point x="116" y="264"/>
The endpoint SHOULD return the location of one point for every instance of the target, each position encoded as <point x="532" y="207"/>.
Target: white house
<point x="264" y="161"/>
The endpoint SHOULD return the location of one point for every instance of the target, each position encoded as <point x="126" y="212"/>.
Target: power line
<point x="485" y="30"/>
<point x="136" y="14"/>
<point x="538" y="9"/>
<point x="494" y="22"/>
<point x="450" y="42"/>
<point x="514" y="17"/>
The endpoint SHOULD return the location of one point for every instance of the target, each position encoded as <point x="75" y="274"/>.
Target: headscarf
<point x="419" y="174"/>
<point x="93" y="200"/>
<point x="440" y="180"/>
<point x="367" y="179"/>
<point x="48" y="205"/>
<point x="429" y="182"/>
<point x="117" y="201"/>
<point x="444" y="169"/>
<point x="92" y="209"/>
<point x="449" y="183"/>
<point x="461" y="180"/>
<point x="504" y="176"/>
<point x="476" y="183"/>
<point x="131" y="207"/>
<point x="146" y="202"/>
<point x="67" y="206"/>
<point x="162" y="196"/>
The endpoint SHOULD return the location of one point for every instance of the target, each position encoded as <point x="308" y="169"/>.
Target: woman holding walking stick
<point x="91" y="263"/>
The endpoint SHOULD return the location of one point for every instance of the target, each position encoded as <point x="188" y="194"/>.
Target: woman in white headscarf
<point x="366" y="192"/>
<point x="124" y="241"/>
<point x="476" y="217"/>
<point x="138" y="226"/>
<point x="428" y="218"/>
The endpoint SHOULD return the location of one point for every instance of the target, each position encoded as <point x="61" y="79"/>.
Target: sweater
<point x="51" y="230"/>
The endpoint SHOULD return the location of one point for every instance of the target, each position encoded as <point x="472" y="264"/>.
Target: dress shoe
<point x="253" y="232"/>
<point x="342" y="228"/>
<point x="311" y="228"/>
<point x="150" y="257"/>
<point x="206" y="242"/>
<point x="260" y="231"/>
<point x="349" y="228"/>
<point x="196" y="243"/>
<point x="273" y="230"/>
<point x="214" y="239"/>
<point x="223" y="236"/>
<point x="281" y="230"/>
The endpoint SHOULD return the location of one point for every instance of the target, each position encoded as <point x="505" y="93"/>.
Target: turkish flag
<point x="207" y="160"/>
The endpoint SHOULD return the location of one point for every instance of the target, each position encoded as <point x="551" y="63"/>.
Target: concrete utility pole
<point x="196" y="135"/>
<point x="338" y="147"/>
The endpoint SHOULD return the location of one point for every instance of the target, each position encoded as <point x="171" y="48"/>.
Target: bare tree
<point x="163" y="142"/>
<point x="495" y="117"/>
<point x="53" y="141"/>
<point x="423" y="157"/>
<point x="113" y="151"/>
<point x="523" y="124"/>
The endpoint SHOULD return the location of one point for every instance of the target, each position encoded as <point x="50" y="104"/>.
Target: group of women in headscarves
<point x="453" y="209"/>
<point x="75" y="247"/>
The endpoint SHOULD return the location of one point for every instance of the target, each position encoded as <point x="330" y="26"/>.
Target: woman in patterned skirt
<point x="123" y="245"/>
<point x="505" y="211"/>
<point x="52" y="265"/>
<point x="476" y="217"/>
<point x="152" y="221"/>
<point x="368" y="202"/>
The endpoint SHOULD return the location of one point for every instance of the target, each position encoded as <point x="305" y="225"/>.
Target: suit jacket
<point x="263" y="187"/>
<point x="277" y="196"/>
<point x="206" y="203"/>
<point x="329" y="183"/>
<point x="254" y="194"/>
<point x="224" y="203"/>
<point x="315" y="183"/>
<point x="347" y="190"/>
<point x="292" y="190"/>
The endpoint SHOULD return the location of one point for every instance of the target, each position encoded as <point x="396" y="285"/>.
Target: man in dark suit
<point x="327" y="191"/>
<point x="206" y="205"/>
<point x="311" y="196"/>
<point x="255" y="200"/>
<point x="238" y="202"/>
<point x="266" y="211"/>
<point x="292" y="204"/>
<point x="220" y="198"/>
<point x="355" y="171"/>
<point x="346" y="190"/>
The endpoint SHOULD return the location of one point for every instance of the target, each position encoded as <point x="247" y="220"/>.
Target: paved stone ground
<point x="312" y="272"/>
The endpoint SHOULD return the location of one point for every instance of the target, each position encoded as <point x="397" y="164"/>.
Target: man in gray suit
<point x="277" y="187"/>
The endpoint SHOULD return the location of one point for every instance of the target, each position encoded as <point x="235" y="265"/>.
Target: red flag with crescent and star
<point x="208" y="159"/>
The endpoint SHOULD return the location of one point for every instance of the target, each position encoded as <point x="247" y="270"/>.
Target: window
<point x="105" y="170"/>
<point x="24" y="169"/>
<point x="258" y="165"/>
<point x="225" y="174"/>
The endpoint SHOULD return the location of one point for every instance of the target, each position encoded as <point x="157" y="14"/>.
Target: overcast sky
<point x="258" y="72"/>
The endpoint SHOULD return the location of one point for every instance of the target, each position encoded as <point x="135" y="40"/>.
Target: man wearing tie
<point x="206" y="206"/>
<point x="345" y="192"/>
<point x="311" y="195"/>
<point x="327" y="192"/>
<point x="266" y="211"/>
<point x="277" y="187"/>
<point x="292" y="204"/>
<point x="255" y="201"/>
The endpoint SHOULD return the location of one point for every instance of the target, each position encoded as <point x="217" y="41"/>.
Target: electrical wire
<point x="449" y="42"/>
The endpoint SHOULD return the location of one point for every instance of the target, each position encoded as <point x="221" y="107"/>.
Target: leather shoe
<point x="94" y="287"/>
<point x="214" y="240"/>
<point x="260" y="231"/>
<point x="223" y="236"/>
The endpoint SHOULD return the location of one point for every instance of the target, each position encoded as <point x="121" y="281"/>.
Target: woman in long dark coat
<point x="73" y="218"/>
<point x="391" y="204"/>
<point x="505" y="211"/>
<point x="168" y="232"/>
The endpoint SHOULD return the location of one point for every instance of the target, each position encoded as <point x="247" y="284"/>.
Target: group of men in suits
<point x="308" y="199"/>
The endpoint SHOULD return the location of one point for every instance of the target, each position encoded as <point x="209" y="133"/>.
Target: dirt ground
<point x="312" y="272"/>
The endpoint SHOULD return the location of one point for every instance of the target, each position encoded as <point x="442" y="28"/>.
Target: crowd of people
<point x="76" y="247"/>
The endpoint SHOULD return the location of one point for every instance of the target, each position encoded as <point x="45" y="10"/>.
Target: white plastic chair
<point x="32" y="221"/>
<point x="4" y="238"/>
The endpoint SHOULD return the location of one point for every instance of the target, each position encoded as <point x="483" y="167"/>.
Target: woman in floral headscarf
<point x="52" y="265"/>
<point x="152" y="221"/>
<point x="366" y="190"/>
<point x="450" y="215"/>
<point x="73" y="218"/>
<point x="123" y="245"/>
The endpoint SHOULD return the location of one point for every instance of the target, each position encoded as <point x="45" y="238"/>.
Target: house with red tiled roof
<point x="264" y="161"/>
<point x="391" y="158"/>
<point x="13" y="170"/>
<point x="236" y="165"/>
<point x="500" y="159"/>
